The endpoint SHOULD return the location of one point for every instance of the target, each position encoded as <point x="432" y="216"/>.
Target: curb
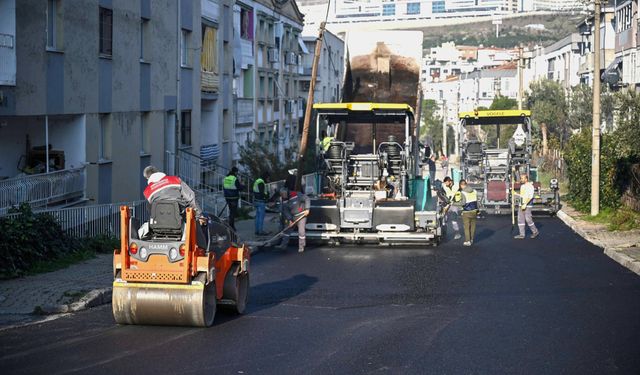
<point x="573" y="224"/>
<point x="624" y="260"/>
<point x="94" y="298"/>
<point x="613" y="253"/>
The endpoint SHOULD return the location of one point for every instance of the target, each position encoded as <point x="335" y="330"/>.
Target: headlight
<point x="143" y="252"/>
<point x="173" y="253"/>
<point x="553" y="184"/>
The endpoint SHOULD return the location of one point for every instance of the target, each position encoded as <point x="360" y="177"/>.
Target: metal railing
<point x="91" y="221"/>
<point x="42" y="189"/>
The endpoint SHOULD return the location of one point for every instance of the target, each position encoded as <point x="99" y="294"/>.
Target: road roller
<point x="175" y="271"/>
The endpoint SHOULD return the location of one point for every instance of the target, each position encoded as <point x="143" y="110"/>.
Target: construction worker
<point x="172" y="188"/>
<point x="232" y="186"/>
<point x="527" y="191"/>
<point x="326" y="141"/>
<point x="260" y="199"/>
<point x="294" y="205"/>
<point x="467" y="199"/>
<point x="452" y="212"/>
<point x="163" y="187"/>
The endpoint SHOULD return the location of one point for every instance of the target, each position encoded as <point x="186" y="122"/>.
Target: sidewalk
<point x="623" y="247"/>
<point x="78" y="287"/>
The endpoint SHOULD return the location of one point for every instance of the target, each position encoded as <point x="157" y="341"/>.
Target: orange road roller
<point x="175" y="271"/>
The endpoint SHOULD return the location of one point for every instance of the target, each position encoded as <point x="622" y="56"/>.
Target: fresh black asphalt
<point x="553" y="305"/>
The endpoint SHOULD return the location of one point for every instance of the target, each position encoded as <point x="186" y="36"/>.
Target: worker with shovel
<point x="295" y="207"/>
<point x="527" y="192"/>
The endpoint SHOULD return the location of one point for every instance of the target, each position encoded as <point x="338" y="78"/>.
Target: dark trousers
<point x="469" y="219"/>
<point x="233" y="211"/>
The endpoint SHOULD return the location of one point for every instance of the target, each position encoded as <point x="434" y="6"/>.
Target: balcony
<point x="244" y="110"/>
<point x="209" y="81"/>
<point x="43" y="189"/>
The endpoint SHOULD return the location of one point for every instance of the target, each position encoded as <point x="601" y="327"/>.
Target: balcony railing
<point x="244" y="110"/>
<point x="43" y="189"/>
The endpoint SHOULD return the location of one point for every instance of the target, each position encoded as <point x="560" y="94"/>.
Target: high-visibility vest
<point x="471" y="201"/>
<point x="326" y="142"/>
<point x="527" y="192"/>
<point x="449" y="191"/>
<point x="229" y="186"/>
<point x="256" y="190"/>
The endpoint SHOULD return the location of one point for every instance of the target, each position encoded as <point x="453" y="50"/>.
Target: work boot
<point x="519" y="237"/>
<point x="457" y="236"/>
<point x="534" y="235"/>
<point x="301" y="249"/>
<point x="466" y="243"/>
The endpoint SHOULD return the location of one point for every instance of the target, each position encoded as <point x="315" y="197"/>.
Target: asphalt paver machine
<point x="495" y="149"/>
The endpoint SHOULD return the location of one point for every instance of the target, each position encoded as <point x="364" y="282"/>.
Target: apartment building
<point x="104" y="87"/>
<point x="624" y="70"/>
<point x="563" y="61"/>
<point x="607" y="42"/>
<point x="330" y="72"/>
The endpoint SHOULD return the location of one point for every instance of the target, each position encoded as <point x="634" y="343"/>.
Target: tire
<point x="236" y="289"/>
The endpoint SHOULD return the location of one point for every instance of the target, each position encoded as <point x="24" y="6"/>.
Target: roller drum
<point x="162" y="304"/>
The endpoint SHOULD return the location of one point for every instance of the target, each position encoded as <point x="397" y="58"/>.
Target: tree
<point x="581" y="107"/>
<point x="548" y="106"/>
<point x="503" y="102"/>
<point x="258" y="161"/>
<point x="432" y="123"/>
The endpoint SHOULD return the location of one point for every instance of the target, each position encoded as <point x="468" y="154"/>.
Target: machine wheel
<point x="236" y="289"/>
<point x="209" y="303"/>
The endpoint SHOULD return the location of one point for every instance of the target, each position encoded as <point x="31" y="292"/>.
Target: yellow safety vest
<point x="229" y="186"/>
<point x="326" y="142"/>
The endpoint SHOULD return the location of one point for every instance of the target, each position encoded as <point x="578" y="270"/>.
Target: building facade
<point x="105" y="86"/>
<point x="330" y="72"/>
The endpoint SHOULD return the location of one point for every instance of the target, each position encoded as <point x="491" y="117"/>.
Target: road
<point x="554" y="305"/>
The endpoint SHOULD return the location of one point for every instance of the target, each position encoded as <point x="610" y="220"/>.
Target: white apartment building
<point x="607" y="43"/>
<point x="330" y="72"/>
<point x="563" y="5"/>
<point x="563" y="61"/>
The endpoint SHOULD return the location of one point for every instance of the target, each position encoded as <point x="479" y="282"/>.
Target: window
<point x="388" y="9"/>
<point x="185" y="49"/>
<point x="145" y="141"/>
<point x="413" y="8"/>
<point x="104" y="149"/>
<point x="246" y="24"/>
<point x="438" y="6"/>
<point x="247" y="75"/>
<point x="185" y="128"/>
<point x="106" y="31"/>
<point x="144" y="39"/>
<point x="54" y="25"/>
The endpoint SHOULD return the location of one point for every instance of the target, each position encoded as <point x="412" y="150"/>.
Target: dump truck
<point x="176" y="273"/>
<point x="372" y="187"/>
<point x="495" y="149"/>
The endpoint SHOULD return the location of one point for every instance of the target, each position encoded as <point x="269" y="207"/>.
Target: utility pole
<point x="595" y="143"/>
<point x="309" y="108"/>
<point x="444" y="127"/>
<point x="520" y="78"/>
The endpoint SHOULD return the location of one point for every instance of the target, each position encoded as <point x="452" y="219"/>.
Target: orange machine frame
<point x="158" y="269"/>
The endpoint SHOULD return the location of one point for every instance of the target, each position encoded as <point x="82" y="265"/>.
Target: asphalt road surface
<point x="553" y="305"/>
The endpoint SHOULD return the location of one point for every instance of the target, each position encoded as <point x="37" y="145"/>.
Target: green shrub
<point x="578" y="161"/>
<point x="32" y="243"/>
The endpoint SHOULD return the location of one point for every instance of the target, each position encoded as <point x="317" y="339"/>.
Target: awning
<point x="303" y="48"/>
<point x="611" y="75"/>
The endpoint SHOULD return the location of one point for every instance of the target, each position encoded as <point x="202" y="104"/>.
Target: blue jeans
<point x="260" y="210"/>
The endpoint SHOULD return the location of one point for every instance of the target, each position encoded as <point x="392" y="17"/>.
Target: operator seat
<point x="166" y="220"/>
